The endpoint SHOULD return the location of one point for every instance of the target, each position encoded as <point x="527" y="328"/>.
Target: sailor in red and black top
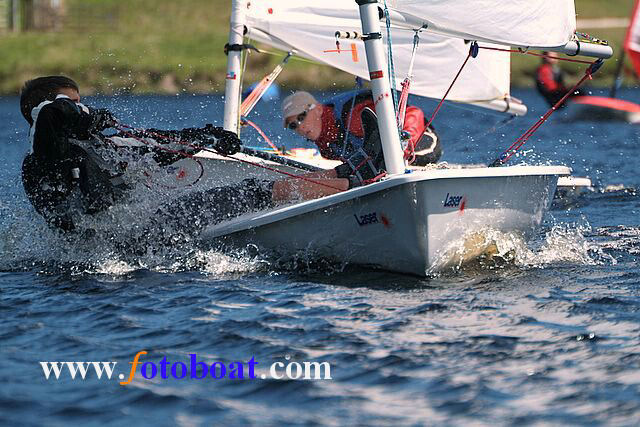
<point x="550" y="80"/>
<point x="335" y="126"/>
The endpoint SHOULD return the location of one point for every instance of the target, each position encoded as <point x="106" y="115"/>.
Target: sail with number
<point x="632" y="41"/>
<point x="309" y="29"/>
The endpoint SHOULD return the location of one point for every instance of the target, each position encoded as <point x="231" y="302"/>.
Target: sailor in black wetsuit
<point x="65" y="146"/>
<point x="65" y="164"/>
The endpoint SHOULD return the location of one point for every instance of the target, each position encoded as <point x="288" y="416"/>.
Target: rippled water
<point x="548" y="333"/>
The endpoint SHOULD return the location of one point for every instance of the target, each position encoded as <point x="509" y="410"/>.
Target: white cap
<point x="297" y="103"/>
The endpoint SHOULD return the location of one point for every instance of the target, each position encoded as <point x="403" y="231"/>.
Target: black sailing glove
<point x="226" y="142"/>
<point x="102" y="119"/>
<point x="222" y="141"/>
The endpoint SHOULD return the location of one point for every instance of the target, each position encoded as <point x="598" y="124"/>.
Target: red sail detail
<point x="632" y="40"/>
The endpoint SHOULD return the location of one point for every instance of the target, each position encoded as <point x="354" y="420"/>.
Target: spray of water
<point x="562" y="244"/>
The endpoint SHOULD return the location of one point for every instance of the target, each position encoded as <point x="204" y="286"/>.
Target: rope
<point x="409" y="152"/>
<point x="262" y="134"/>
<point x="506" y="155"/>
<point x="127" y="130"/>
<point x="346" y="130"/>
<point x="273" y="169"/>
<point x="252" y="99"/>
<point x="123" y="129"/>
<point x="404" y="95"/>
<point x="435" y="112"/>
<point x="540" y="55"/>
<point x="392" y="72"/>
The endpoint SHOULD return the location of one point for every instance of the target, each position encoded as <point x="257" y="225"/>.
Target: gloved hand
<point x="226" y="142"/>
<point x="102" y="119"/>
<point x="223" y="141"/>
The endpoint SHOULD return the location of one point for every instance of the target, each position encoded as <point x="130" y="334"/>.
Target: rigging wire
<point x="130" y="131"/>
<point x="406" y="83"/>
<point x="346" y="129"/>
<point x="392" y="71"/>
<point x="509" y="152"/>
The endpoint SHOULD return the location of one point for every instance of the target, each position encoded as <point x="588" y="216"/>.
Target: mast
<point x="232" y="85"/>
<point x="377" y="65"/>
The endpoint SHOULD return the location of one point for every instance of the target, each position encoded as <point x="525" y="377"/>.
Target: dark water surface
<point x="551" y="336"/>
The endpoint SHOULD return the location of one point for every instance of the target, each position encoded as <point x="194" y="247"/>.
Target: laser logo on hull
<point x="372" y="218"/>
<point x="454" y="201"/>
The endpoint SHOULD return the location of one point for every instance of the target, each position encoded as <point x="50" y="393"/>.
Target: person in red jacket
<point x="550" y="80"/>
<point x="335" y="126"/>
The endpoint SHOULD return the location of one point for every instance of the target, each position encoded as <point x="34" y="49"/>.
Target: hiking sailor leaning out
<point x="335" y="126"/>
<point x="65" y="137"/>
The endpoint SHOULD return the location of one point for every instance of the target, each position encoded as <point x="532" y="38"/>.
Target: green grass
<point x="603" y="8"/>
<point x="142" y="46"/>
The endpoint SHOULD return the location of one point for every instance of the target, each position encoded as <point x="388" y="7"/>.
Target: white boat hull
<point x="407" y="223"/>
<point x="219" y="171"/>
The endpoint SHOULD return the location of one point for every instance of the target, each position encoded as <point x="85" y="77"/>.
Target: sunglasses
<point x="293" y="125"/>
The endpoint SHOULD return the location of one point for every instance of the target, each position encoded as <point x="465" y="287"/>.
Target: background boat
<point x="590" y="107"/>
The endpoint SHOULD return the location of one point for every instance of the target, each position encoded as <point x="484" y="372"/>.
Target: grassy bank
<point x="164" y="46"/>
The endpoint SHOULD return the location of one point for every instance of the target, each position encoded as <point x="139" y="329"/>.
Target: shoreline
<point x="170" y="84"/>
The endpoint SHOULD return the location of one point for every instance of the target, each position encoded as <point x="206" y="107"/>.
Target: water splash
<point x="491" y="249"/>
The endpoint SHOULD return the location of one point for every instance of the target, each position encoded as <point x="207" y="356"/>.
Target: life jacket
<point x="341" y="110"/>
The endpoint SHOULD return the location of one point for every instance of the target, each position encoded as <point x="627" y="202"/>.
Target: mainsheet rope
<point x="129" y="131"/>
<point x="473" y="52"/>
<point x="506" y="155"/>
<point x="509" y="152"/>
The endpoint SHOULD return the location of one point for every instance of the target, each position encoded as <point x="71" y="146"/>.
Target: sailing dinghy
<point x="411" y="220"/>
<point x="611" y="107"/>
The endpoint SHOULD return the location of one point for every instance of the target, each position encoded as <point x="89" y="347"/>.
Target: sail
<point x="309" y="29"/>
<point x="632" y="41"/>
<point x="536" y="23"/>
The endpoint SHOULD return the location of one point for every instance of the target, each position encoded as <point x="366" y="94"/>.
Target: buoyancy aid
<point x="341" y="105"/>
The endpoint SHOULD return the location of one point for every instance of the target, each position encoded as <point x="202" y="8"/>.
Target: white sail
<point x="540" y="23"/>
<point x="309" y="29"/>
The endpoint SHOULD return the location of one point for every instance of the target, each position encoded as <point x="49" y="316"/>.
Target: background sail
<point x="632" y="41"/>
<point x="539" y="23"/>
<point x="310" y="30"/>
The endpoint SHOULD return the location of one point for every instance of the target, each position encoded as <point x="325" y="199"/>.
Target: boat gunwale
<point x="261" y="218"/>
